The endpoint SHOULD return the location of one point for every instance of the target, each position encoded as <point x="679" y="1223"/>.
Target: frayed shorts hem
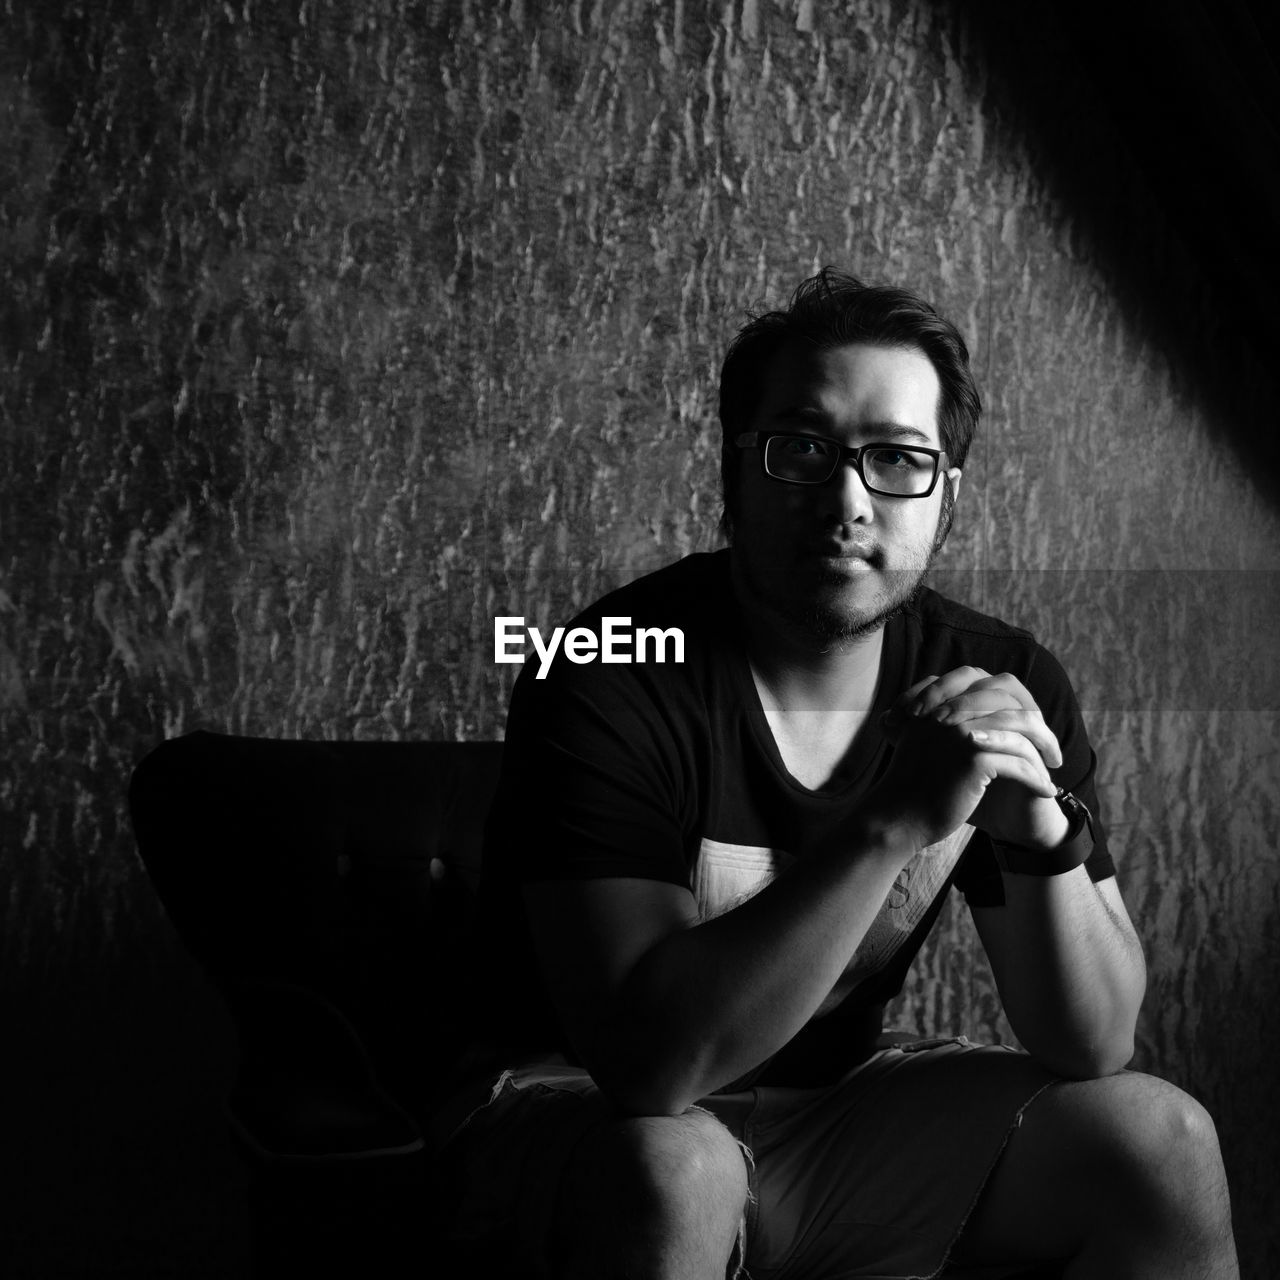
<point x="873" y="1177"/>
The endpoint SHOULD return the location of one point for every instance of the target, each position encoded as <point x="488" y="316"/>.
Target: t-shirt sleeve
<point x="979" y="877"/>
<point x="593" y="781"/>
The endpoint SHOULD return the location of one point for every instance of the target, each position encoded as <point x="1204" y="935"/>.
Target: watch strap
<point x="1072" y="852"/>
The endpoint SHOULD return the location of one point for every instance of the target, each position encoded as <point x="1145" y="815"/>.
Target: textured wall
<point x="330" y="331"/>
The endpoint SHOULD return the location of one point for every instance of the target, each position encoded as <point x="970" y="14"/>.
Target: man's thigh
<point x="523" y="1165"/>
<point x="872" y="1177"/>
<point x="1123" y="1166"/>
<point x="876" y="1175"/>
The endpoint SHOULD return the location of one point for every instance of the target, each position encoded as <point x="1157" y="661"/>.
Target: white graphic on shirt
<point x="726" y="875"/>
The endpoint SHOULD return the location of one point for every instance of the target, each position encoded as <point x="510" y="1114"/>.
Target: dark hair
<point x="833" y="309"/>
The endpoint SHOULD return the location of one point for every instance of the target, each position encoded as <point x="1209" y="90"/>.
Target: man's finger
<point x="1012" y="686"/>
<point x="944" y="688"/>
<point x="974" y="702"/>
<point x="898" y="709"/>
<point x="1006" y="754"/>
<point x="996" y="709"/>
<point x="908" y="696"/>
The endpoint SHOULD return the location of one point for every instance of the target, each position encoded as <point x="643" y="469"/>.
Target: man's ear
<point x="950" y="487"/>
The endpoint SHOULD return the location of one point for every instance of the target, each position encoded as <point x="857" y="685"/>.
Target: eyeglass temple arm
<point x="752" y="439"/>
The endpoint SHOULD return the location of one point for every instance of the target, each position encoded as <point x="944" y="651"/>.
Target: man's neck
<point x="836" y="680"/>
<point x="816" y="699"/>
<point x="800" y="672"/>
<point x="804" y="671"/>
<point x="816" y="695"/>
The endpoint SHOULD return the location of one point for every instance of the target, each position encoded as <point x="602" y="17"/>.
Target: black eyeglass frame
<point x="844" y="453"/>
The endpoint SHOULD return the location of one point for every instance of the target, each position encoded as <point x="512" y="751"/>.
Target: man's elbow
<point x="647" y="1089"/>
<point x="1088" y="1061"/>
<point x="641" y="1101"/>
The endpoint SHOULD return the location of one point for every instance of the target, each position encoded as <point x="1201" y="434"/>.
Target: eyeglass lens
<point x="887" y="468"/>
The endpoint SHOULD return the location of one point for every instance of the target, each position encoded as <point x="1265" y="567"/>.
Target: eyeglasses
<point x="893" y="470"/>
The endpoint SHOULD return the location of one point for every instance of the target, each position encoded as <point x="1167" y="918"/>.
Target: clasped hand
<point x="970" y="747"/>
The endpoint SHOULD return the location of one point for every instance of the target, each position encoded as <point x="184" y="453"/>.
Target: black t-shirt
<point x="669" y="771"/>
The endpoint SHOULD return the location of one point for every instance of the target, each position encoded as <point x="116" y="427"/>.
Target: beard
<point x="833" y="625"/>
<point x="830" y="623"/>
<point x="817" y="607"/>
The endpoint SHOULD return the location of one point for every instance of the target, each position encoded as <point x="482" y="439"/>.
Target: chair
<point x="327" y="889"/>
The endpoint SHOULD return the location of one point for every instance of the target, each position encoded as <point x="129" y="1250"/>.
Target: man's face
<point x="833" y="559"/>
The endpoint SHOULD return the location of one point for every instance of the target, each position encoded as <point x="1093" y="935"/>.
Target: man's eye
<point x="895" y="458"/>
<point x="799" y="447"/>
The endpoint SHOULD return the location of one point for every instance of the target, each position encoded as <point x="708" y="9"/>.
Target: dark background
<point x="328" y="332"/>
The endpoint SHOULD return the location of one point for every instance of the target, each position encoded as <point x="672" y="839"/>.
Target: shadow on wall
<point x="1150" y="113"/>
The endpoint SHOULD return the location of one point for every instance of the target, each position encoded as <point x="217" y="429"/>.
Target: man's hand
<point x="974" y="747"/>
<point x="971" y="747"/>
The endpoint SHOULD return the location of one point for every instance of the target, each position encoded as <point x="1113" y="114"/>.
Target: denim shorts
<point x="871" y="1177"/>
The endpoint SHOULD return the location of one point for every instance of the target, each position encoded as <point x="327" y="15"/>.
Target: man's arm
<point x="1066" y="958"/>
<point x="663" y="1009"/>
<point x="1069" y="969"/>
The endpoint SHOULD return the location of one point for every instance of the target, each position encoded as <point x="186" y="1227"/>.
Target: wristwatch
<point x="1076" y="846"/>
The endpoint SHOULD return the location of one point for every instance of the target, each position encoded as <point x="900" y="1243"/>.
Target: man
<point x="704" y="880"/>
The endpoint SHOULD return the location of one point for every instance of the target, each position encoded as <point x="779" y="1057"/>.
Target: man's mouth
<point x="850" y="555"/>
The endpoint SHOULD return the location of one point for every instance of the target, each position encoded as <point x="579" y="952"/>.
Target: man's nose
<point x="850" y="499"/>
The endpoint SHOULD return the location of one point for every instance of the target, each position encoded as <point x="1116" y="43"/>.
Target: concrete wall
<point x="330" y="331"/>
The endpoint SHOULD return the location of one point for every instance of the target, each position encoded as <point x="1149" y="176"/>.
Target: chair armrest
<point x="307" y="1091"/>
